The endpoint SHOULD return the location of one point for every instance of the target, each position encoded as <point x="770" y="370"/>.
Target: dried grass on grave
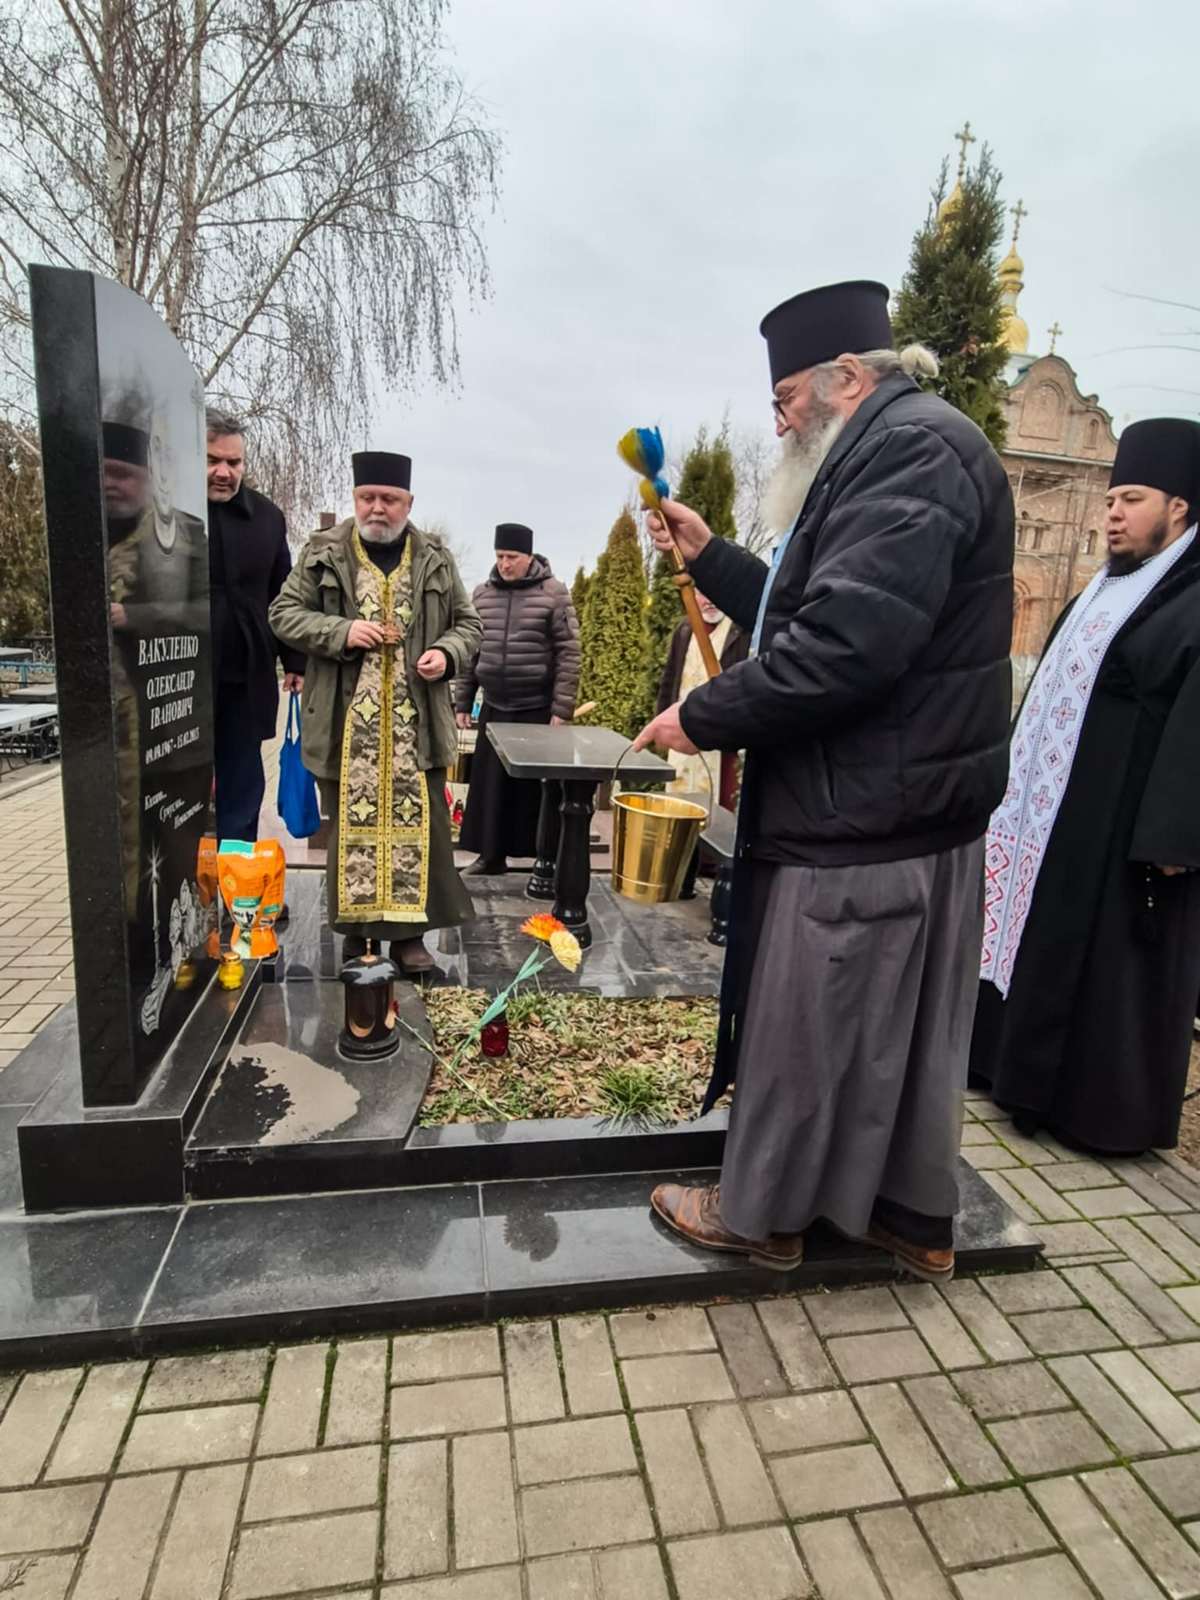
<point x="572" y="1055"/>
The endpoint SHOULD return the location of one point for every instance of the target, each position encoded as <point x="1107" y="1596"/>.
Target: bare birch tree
<point x="24" y="577"/>
<point x="295" y="185"/>
<point x="752" y="464"/>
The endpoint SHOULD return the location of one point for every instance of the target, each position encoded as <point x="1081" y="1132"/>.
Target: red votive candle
<point x="493" y="1037"/>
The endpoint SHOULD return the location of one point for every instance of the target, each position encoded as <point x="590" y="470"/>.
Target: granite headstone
<point x="122" y="427"/>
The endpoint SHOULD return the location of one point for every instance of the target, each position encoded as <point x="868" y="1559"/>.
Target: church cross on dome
<point x="964" y="137"/>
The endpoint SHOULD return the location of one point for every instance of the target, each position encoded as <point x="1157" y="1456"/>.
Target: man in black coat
<point x="874" y="715"/>
<point x="248" y="560"/>
<point x="1091" y="951"/>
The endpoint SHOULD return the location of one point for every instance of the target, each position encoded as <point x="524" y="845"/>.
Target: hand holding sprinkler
<point x="642" y="449"/>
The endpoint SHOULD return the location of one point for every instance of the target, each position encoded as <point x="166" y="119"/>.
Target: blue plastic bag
<point x="296" y="800"/>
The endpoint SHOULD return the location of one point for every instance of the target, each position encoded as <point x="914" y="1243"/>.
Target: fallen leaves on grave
<point x="572" y="1055"/>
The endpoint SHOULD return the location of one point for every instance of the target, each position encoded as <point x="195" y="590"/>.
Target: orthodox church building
<point x="1059" y="450"/>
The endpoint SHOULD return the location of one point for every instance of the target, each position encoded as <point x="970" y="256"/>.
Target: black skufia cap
<point x="514" y="536"/>
<point x="1162" y="453"/>
<point x="123" y="443"/>
<point x="382" y="467"/>
<point x="822" y="324"/>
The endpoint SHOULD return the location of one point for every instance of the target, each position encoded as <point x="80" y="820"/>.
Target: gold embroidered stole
<point x="699" y="774"/>
<point x="383" y="826"/>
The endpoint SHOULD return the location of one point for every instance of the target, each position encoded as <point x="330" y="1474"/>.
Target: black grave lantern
<point x="369" y="1032"/>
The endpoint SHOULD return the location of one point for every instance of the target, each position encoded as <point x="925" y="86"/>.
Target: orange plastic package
<point x="208" y="889"/>
<point x="251" y="878"/>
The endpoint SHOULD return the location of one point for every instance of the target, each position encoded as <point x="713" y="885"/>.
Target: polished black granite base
<point x="225" y="1272"/>
<point x="637" y="951"/>
<point x="288" y="1114"/>
<point x="457" y="1223"/>
<point x="75" y="1156"/>
<point x="306" y="1122"/>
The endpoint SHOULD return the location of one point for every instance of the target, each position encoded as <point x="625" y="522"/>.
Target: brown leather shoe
<point x="410" y="955"/>
<point x="695" y="1215"/>
<point x="934" y="1266"/>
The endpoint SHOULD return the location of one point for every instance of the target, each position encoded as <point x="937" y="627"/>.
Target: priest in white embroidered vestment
<point x="1091" y="950"/>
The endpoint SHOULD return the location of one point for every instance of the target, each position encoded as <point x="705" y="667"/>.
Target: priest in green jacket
<point x="380" y="611"/>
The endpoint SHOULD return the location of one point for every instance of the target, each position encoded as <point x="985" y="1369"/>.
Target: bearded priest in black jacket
<point x="874" y="715"/>
<point x="1091" y="951"/>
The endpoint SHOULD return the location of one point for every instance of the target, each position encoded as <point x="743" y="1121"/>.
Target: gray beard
<point x="800" y="460"/>
<point x="380" y="535"/>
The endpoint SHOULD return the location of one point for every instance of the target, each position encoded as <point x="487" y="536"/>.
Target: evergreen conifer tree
<point x="613" y="637"/>
<point x="708" y="485"/>
<point x="950" y="296"/>
<point x="579" y="589"/>
<point x="587" y="634"/>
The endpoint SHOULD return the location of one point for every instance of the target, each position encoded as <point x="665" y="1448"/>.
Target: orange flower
<point x="565" y="948"/>
<point x="541" y="925"/>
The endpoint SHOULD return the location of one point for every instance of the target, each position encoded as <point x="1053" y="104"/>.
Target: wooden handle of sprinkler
<point x="687" y="593"/>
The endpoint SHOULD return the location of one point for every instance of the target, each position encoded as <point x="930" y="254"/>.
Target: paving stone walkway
<point x="36" y="973"/>
<point x="1034" y="1436"/>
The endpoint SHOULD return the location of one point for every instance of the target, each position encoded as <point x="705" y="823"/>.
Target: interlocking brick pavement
<point x="36" y="971"/>
<point x="1008" y="1436"/>
<point x="1029" y="1436"/>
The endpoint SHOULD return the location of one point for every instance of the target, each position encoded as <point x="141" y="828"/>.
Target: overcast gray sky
<point x="674" y="169"/>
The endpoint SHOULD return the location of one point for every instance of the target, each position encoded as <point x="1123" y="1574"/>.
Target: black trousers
<point x="502" y="812"/>
<point x="237" y="763"/>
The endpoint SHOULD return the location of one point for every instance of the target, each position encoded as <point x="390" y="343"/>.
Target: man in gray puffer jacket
<point x="528" y="667"/>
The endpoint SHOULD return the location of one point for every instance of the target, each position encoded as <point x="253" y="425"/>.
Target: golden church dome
<point x="1011" y="273"/>
<point x="950" y="205"/>
<point x="1011" y="267"/>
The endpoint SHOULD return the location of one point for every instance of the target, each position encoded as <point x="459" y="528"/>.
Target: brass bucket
<point x="654" y="836"/>
<point x="460" y="770"/>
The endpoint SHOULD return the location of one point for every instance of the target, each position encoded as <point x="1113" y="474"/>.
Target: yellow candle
<point x="232" y="971"/>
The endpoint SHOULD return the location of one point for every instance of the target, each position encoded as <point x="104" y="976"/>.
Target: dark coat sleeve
<point x="564" y="641"/>
<point x="1167" y="829"/>
<point x="882" y="566"/>
<point x="292" y="660"/>
<point x="731" y="578"/>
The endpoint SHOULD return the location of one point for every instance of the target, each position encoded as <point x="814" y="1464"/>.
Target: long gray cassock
<point x="849" y="1090"/>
